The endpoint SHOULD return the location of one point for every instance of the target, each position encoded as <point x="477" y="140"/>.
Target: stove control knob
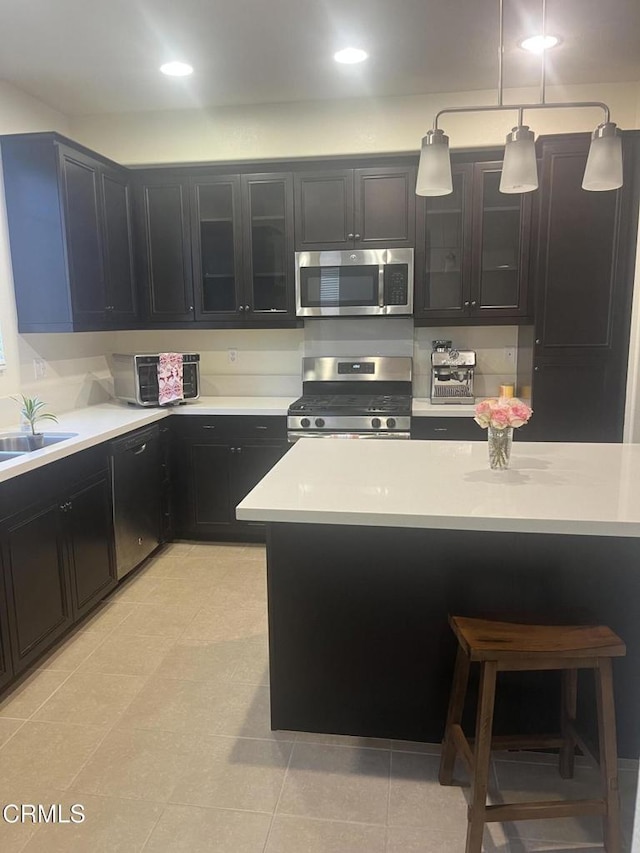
<point x="305" y="422"/>
<point x="391" y="422"/>
<point x="375" y="423"/>
<point x="319" y="422"/>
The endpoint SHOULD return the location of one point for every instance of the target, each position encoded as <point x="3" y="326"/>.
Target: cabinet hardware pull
<point x="62" y="507"/>
<point x="441" y="429"/>
<point x="356" y="236"/>
<point x="466" y="304"/>
<point x="207" y="426"/>
<point x="241" y="308"/>
<point x="474" y="303"/>
<point x="140" y="449"/>
<point x="190" y="307"/>
<point x="349" y="236"/>
<point x="536" y="368"/>
<point x="538" y="341"/>
<point x="262" y="427"/>
<point x="247" y="308"/>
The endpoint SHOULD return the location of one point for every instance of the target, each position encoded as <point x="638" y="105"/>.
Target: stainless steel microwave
<point x="360" y="282"/>
<point x="135" y="377"/>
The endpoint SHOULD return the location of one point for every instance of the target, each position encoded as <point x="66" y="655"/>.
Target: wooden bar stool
<point x="502" y="646"/>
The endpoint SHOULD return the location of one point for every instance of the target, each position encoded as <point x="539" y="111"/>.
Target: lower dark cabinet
<point x="57" y="554"/>
<point x="446" y="429"/>
<point x="38" y="594"/>
<point x="216" y="462"/>
<point x="89" y="529"/>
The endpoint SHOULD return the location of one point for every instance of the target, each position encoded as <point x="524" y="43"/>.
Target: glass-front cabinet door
<point x="217" y="253"/>
<point x="500" y="245"/>
<point x="268" y="246"/>
<point x="443" y="253"/>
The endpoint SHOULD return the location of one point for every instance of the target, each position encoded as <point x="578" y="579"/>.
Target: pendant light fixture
<point x="519" y="169"/>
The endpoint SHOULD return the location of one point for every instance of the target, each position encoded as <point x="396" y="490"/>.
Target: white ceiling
<point x="100" y="56"/>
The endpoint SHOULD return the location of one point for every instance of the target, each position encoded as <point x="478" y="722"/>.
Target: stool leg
<point x="454" y="716"/>
<point x="481" y="757"/>
<point x="567" y="719"/>
<point x="608" y="754"/>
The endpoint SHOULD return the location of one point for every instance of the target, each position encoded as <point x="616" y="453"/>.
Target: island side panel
<point x="358" y="633"/>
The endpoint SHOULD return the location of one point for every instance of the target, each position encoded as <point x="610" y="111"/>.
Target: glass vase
<point x="499" y="446"/>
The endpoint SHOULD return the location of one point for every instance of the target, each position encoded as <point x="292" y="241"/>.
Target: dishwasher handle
<point x="140" y="449"/>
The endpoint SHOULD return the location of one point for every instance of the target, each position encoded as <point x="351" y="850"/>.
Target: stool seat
<point x="507" y="646"/>
<point x="487" y="640"/>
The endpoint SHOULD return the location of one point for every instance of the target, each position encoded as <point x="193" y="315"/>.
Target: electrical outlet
<point x="510" y="354"/>
<point x="232" y="356"/>
<point x="39" y="368"/>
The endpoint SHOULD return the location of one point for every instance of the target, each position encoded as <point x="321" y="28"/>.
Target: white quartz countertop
<point x="588" y="489"/>
<point x="96" y="424"/>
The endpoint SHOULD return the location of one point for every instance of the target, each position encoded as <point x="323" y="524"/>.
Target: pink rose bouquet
<point x="502" y="412"/>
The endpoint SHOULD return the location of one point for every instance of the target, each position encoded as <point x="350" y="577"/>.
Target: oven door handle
<point x="292" y="437"/>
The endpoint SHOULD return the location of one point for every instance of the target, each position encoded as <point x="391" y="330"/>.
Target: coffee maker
<point x="451" y="374"/>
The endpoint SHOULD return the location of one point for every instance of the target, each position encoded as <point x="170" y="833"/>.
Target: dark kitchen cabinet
<point x="242" y="232"/>
<point x="88" y="525"/>
<point x="57" y="550"/>
<point x="472" y="256"/>
<point x="164" y="235"/>
<point x="443" y="428"/>
<point x="6" y="666"/>
<point x="75" y="207"/>
<point x="37" y="581"/>
<point x="584" y="268"/>
<point x="216" y="462"/>
<point x="218" y="248"/>
<point x="355" y="208"/>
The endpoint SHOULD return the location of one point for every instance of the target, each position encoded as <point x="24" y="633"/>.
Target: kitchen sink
<point x="16" y="443"/>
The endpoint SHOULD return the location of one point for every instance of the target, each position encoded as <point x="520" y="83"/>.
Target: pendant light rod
<point x="522" y="107"/>
<point x="543" y="63"/>
<point x="500" y="53"/>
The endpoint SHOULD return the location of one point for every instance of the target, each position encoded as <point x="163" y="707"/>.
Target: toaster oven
<point x="135" y="377"/>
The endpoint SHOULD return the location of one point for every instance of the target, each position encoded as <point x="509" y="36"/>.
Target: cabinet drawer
<point x="231" y="427"/>
<point x="446" y="429"/>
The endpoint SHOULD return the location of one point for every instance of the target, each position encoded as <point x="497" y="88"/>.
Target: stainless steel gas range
<point x="353" y="397"/>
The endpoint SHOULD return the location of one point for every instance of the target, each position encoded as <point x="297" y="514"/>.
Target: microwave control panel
<point x="396" y="284"/>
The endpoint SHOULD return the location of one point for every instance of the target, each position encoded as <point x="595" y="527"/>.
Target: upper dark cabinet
<point x="242" y="239"/>
<point x="163" y="234"/>
<point x="372" y="207"/>
<point x="583" y="278"/>
<point x="75" y="209"/>
<point x="473" y="250"/>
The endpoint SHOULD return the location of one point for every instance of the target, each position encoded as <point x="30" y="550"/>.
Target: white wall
<point x="335" y="127"/>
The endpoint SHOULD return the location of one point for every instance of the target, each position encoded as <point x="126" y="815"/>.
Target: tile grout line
<point x="275" y="808"/>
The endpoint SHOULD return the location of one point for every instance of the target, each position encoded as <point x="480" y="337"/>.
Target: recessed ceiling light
<point x="350" y="55"/>
<point x="176" y="69"/>
<point x="537" y="44"/>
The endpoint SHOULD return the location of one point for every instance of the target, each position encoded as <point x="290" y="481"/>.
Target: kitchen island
<point x="371" y="544"/>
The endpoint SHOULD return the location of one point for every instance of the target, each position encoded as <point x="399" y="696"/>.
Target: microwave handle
<point x="381" y="286"/>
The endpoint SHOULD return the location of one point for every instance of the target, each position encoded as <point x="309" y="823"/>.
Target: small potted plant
<point x="32" y="412"/>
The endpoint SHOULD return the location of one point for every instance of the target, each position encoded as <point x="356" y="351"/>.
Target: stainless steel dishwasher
<point x="135" y="478"/>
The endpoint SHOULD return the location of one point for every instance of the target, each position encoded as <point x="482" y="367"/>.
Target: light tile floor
<point x="154" y="716"/>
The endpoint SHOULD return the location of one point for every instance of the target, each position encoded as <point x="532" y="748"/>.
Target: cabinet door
<point x="6" y="666"/>
<point x="268" y="246"/>
<point x="163" y="225"/>
<point x="89" y="528"/>
<point x="80" y="176"/>
<point x="501" y="228"/>
<point x="577" y="257"/>
<point x="37" y="583"/>
<point x="324" y="210"/>
<point x="443" y="255"/>
<point x="575" y="400"/>
<point x="201" y="486"/>
<point x="385" y="207"/>
<point x="118" y="240"/>
<point x="249" y="463"/>
<point x="217" y="249"/>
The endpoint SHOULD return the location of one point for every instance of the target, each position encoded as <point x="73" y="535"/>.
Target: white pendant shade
<point x="604" y="163"/>
<point x="519" y="169"/>
<point x="434" y="169"/>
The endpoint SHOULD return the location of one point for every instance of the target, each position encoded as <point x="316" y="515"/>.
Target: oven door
<point x="293" y="436"/>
